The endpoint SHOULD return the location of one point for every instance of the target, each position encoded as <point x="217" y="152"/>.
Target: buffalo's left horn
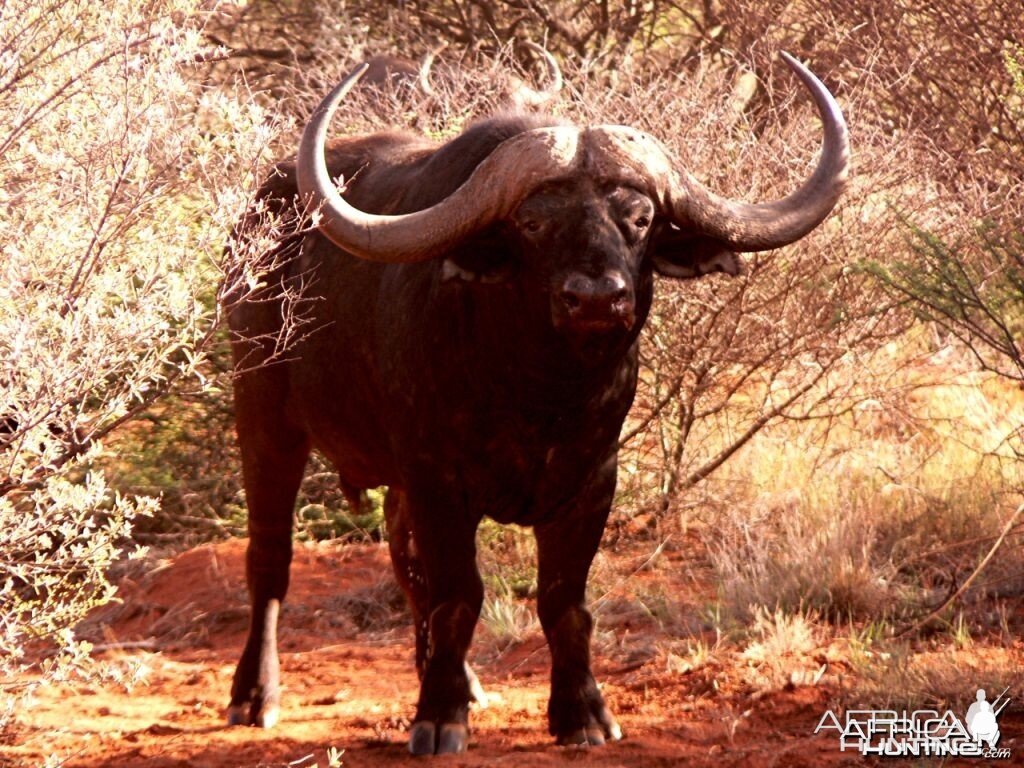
<point x="763" y="226"/>
<point x="534" y="98"/>
<point x="427" y="64"/>
<point x="517" y="166"/>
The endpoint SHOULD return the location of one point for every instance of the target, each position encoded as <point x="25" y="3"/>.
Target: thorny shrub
<point x="969" y="281"/>
<point x="123" y="173"/>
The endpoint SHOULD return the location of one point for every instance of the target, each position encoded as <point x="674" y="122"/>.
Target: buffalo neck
<point x="479" y="342"/>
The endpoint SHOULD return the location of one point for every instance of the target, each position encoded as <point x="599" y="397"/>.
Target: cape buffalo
<point x="478" y="307"/>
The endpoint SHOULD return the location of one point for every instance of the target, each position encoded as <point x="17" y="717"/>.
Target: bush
<point x="968" y="279"/>
<point x="122" y="175"/>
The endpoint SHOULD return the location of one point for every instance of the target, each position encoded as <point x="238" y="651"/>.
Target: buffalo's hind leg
<point x="577" y="713"/>
<point x="273" y="459"/>
<point x="408" y="569"/>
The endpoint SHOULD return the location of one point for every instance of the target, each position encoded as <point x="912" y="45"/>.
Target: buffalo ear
<point x="486" y="258"/>
<point x="685" y="255"/>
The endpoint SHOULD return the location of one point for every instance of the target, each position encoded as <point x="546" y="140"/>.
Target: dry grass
<point x="375" y="608"/>
<point x="882" y="508"/>
<point x="508" y="621"/>
<point x="906" y="677"/>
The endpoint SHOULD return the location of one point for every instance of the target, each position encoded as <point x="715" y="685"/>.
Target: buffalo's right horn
<point x="517" y="166"/>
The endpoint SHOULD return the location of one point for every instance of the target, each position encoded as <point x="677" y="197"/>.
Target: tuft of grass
<point x="781" y="634"/>
<point x="377" y="607"/>
<point x="806" y="555"/>
<point x="960" y="632"/>
<point x="694" y="654"/>
<point x="783" y="647"/>
<point x="507" y="620"/>
<point x="507" y="557"/>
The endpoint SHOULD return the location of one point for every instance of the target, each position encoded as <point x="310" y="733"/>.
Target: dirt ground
<point x="350" y="684"/>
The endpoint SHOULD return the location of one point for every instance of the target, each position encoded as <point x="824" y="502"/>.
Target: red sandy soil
<point x="349" y="683"/>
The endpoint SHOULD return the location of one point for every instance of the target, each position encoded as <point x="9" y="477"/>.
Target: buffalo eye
<point x="642" y="222"/>
<point x="531" y="226"/>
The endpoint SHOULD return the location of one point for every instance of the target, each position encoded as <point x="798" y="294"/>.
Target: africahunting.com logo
<point x="922" y="733"/>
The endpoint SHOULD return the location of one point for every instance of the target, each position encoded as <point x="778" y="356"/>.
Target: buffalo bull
<point x="479" y="305"/>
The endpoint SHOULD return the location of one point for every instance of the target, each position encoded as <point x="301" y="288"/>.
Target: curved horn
<point x="532" y="97"/>
<point x="499" y="183"/>
<point x="763" y="226"/>
<point x="425" y="67"/>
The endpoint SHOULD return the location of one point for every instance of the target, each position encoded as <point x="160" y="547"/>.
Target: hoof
<point x="597" y="732"/>
<point x="268" y="718"/>
<point x="245" y="714"/>
<point x="238" y="715"/>
<point x="424" y="739"/>
<point x="578" y="715"/>
<point x="421" y="739"/>
<point x="584" y="737"/>
<point x="454" y="739"/>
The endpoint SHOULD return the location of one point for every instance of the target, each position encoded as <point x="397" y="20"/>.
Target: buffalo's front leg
<point x="577" y="713"/>
<point x="412" y="578"/>
<point x="445" y="549"/>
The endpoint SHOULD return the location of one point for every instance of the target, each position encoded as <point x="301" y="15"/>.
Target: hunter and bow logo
<point x="922" y="733"/>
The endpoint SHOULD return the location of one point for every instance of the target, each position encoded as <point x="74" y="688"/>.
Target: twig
<point x="596" y="605"/>
<point x="149" y="644"/>
<point x="970" y="579"/>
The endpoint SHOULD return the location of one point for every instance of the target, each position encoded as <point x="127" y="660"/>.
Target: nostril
<point x="606" y="299"/>
<point x="575" y="291"/>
